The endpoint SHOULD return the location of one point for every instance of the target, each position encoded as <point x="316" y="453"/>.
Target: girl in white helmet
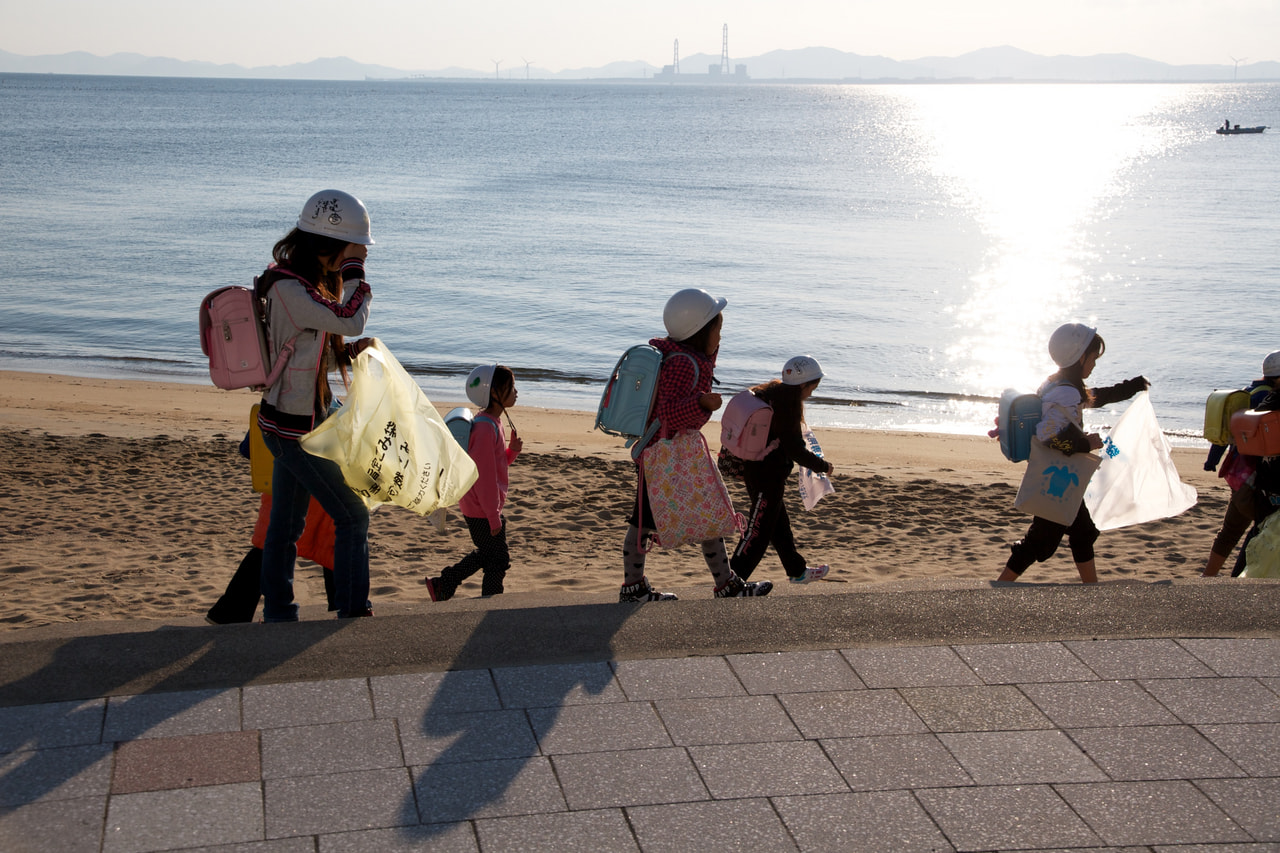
<point x="492" y="387"/>
<point x="766" y="479"/>
<point x="684" y="401"/>
<point x="316" y="294"/>
<point x="1075" y="348"/>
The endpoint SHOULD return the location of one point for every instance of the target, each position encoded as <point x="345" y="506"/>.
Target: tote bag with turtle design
<point x="1055" y="483"/>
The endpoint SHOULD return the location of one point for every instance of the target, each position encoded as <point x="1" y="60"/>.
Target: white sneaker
<point x="812" y="573"/>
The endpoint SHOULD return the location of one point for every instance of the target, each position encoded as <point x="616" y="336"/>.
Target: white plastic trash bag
<point x="813" y="487"/>
<point x="390" y="442"/>
<point x="1137" y="481"/>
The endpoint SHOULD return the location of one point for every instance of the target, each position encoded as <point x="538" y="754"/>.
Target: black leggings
<point x="768" y="525"/>
<point x="1044" y="536"/>
<point x="491" y="556"/>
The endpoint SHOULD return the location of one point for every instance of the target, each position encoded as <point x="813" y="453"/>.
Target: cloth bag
<point x="1055" y="483"/>
<point x="261" y="462"/>
<point x="390" y="442"/>
<point x="686" y="495"/>
<point x="1138" y="481"/>
<point x="315" y="543"/>
<point x="1262" y="556"/>
<point x="813" y="487"/>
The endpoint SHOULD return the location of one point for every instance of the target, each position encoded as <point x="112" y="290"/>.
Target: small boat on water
<point x="1227" y="131"/>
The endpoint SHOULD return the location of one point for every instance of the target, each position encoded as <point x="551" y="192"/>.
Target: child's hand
<point x="516" y="444"/>
<point x="1095" y="441"/>
<point x="354" y="250"/>
<point x="710" y="401"/>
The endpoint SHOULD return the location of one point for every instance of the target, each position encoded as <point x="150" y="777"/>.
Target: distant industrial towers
<point x="716" y="72"/>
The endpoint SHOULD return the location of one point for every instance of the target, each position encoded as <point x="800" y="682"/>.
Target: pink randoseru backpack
<point x="744" y="427"/>
<point x="234" y="337"/>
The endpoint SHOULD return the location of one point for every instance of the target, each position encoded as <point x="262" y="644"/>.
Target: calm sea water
<point x="921" y="241"/>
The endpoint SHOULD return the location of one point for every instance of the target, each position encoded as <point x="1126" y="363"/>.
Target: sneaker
<point x="641" y="591"/>
<point x="433" y="589"/>
<point x="736" y="587"/>
<point x="812" y="573"/>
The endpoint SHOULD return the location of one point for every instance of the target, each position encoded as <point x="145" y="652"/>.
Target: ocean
<point x="922" y="241"/>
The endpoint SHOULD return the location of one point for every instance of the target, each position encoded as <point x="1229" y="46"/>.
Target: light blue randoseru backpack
<point x="627" y="403"/>
<point x="1019" y="417"/>
<point x="460" y="422"/>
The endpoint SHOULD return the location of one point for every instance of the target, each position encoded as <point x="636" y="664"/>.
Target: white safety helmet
<point x="1271" y="364"/>
<point x="333" y="213"/>
<point x="688" y="311"/>
<point x="479" y="383"/>
<point x="1068" y="343"/>
<point x="800" y="370"/>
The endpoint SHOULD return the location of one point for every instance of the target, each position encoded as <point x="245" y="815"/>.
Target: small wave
<point x="523" y="374"/>
<point x="900" y="399"/>
<point x="853" y="403"/>
<point x="103" y="359"/>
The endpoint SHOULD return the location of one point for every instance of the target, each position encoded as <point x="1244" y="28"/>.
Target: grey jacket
<point x="297" y="312"/>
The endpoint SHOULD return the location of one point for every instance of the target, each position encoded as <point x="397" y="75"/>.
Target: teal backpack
<point x="627" y="402"/>
<point x="1019" y="417"/>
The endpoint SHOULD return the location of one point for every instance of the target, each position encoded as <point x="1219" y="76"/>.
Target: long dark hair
<point x="301" y="252"/>
<point x="788" y="407"/>
<point x="1071" y="374"/>
<point x="501" y="382"/>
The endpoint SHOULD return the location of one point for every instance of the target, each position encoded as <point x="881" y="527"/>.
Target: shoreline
<point x="129" y="501"/>
<point x="139" y="408"/>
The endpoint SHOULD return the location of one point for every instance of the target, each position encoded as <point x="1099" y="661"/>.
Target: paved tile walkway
<point x="1156" y="745"/>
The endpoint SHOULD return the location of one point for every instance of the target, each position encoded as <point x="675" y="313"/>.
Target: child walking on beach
<point x="684" y="401"/>
<point x="316" y="293"/>
<point x="766" y="479"/>
<point x="1238" y="471"/>
<point x="1075" y="348"/>
<point x="493" y="388"/>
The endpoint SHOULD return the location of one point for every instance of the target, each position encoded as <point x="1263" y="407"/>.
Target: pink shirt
<point x="488" y="449"/>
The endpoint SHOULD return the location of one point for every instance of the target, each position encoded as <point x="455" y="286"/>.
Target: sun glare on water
<point x="1036" y="166"/>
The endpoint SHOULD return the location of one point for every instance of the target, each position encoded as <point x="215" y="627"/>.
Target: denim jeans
<point x="296" y="477"/>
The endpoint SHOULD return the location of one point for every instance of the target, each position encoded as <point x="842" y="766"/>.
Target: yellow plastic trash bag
<point x="1262" y="557"/>
<point x="390" y="442"/>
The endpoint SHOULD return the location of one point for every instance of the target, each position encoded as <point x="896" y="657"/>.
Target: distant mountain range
<point x="813" y="63"/>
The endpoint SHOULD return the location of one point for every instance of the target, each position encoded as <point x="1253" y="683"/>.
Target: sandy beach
<point x="128" y="500"/>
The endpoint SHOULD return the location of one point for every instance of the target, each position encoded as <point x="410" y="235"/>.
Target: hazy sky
<point x="566" y="34"/>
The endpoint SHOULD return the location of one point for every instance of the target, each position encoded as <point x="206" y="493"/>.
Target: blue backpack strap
<point x="482" y="417"/>
<point x="639" y="444"/>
